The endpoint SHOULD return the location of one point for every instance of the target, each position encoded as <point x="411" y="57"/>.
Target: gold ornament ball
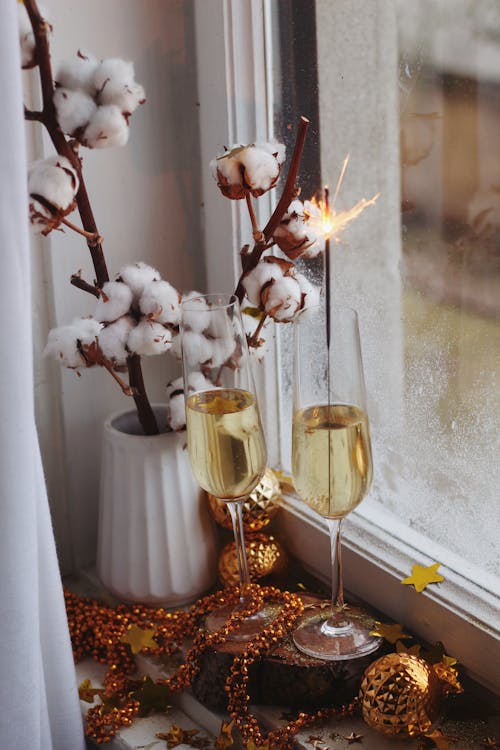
<point x="265" y="555"/>
<point x="258" y="510"/>
<point x="400" y="695"/>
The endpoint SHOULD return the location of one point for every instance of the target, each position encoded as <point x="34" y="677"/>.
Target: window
<point x="418" y="277"/>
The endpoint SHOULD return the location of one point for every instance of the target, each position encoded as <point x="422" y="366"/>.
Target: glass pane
<point x="429" y="300"/>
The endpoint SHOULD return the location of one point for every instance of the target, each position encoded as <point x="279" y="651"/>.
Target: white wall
<point x="146" y="199"/>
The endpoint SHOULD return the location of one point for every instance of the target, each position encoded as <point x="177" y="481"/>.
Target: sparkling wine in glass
<point x="226" y="443"/>
<point x="331" y="462"/>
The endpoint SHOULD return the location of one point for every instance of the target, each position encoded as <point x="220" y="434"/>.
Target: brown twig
<point x="93" y="239"/>
<point x="32" y="115"/>
<point x="64" y="148"/>
<point x="257" y="233"/>
<point x="80" y="283"/>
<point x="250" y="260"/>
<point x="127" y="390"/>
<point x="253" y="341"/>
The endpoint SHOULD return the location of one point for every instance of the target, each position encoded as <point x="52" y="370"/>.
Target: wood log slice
<point x="285" y="676"/>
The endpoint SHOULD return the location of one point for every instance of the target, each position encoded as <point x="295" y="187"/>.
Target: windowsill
<point x="189" y="713"/>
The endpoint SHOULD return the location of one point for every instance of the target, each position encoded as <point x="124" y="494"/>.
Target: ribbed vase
<point x="156" y="541"/>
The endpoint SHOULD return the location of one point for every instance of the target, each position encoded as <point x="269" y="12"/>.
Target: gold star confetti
<point x="87" y="691"/>
<point x="489" y="742"/>
<point x="139" y="638"/>
<point x="437" y="653"/>
<point x="391" y="633"/>
<point x="402" y="648"/>
<point x="353" y="737"/>
<point x="178" y="736"/>
<point x="421" y="577"/>
<point x="225" y="738"/>
<point x="152" y="696"/>
<point x="441" y="741"/>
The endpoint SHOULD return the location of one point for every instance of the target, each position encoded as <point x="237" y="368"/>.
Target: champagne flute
<point x="225" y="438"/>
<point x="331" y="462"/>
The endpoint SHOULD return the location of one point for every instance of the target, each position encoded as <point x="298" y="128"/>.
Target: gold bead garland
<point x="97" y="631"/>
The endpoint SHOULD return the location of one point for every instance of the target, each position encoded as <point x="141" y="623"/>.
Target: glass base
<point x="337" y="636"/>
<point x="248" y="628"/>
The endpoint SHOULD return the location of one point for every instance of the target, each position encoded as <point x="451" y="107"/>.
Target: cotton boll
<point x="175" y="385"/>
<point x="261" y="170"/>
<point x="127" y="99"/>
<point x="149" y="338"/>
<point x="196" y="316"/>
<point x="195" y="347"/>
<point x="113" y="339"/>
<point x="110" y="76"/>
<point x="77" y="74"/>
<point x="310" y="292"/>
<point x="137" y="276"/>
<point x="74" y="109"/>
<point x="282" y="299"/>
<point x="115" y="301"/>
<point x="176" y="418"/>
<point x="221" y="350"/>
<point x="262" y="274"/>
<point x="41" y="219"/>
<point x="160" y="301"/>
<point x="299" y="233"/>
<point x="55" y="179"/>
<point x="63" y="341"/>
<point x="107" y="128"/>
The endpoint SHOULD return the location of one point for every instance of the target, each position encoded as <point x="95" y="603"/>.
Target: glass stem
<point x="335" y="527"/>
<point x="236" y="511"/>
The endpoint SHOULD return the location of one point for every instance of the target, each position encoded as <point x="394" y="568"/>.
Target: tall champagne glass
<point x="225" y="438"/>
<point x="331" y="462"/>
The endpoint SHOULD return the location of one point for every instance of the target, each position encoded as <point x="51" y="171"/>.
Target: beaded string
<point x="97" y="630"/>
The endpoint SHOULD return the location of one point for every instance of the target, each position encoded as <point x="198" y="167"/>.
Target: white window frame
<point x="234" y="47"/>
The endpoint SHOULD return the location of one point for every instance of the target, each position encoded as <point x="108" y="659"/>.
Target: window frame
<point x="234" y="45"/>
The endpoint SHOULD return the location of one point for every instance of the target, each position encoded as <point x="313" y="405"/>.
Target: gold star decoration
<point x="391" y="633"/>
<point x="87" y="692"/>
<point x="437" y="653"/>
<point x="402" y="648"/>
<point x="152" y="696"/>
<point x="421" y="577"/>
<point x="441" y="741"/>
<point x="353" y="737"/>
<point x="225" y="738"/>
<point x="139" y="638"/>
<point x="491" y="742"/>
<point x="178" y="736"/>
<point x="317" y="742"/>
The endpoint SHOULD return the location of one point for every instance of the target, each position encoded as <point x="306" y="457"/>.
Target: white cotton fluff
<point x="195" y="315"/>
<point x="255" y="167"/>
<point x="62" y="342"/>
<point x="161" y="301"/>
<point x="114" y="302"/>
<point x="26" y="37"/>
<point x="176" y="418"/>
<point x="317" y="237"/>
<point x="221" y="350"/>
<point x="149" y="338"/>
<point x="110" y="76"/>
<point x="282" y="299"/>
<point x="198" y="382"/>
<point x="113" y="339"/>
<point x="310" y="292"/>
<point x="195" y="347"/>
<point x="299" y="234"/>
<point x="177" y="384"/>
<point x="276" y="149"/>
<point x="74" y="109"/>
<point x="106" y="129"/>
<point x="257" y="277"/>
<point x="137" y="276"/>
<point x="55" y="179"/>
<point x="77" y="74"/>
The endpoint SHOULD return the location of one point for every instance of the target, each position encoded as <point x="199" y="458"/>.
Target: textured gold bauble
<point x="258" y="510"/>
<point x="400" y="695"/>
<point x="266" y="556"/>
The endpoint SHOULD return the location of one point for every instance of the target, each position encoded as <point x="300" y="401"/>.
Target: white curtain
<point x="39" y="707"/>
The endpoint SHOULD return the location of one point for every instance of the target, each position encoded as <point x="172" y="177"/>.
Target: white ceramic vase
<point x="156" y="541"/>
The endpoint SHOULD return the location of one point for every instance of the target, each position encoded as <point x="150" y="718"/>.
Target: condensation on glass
<point x="430" y="301"/>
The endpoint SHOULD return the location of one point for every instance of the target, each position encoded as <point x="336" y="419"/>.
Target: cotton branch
<point x="76" y="280"/>
<point x="47" y="116"/>
<point x="250" y="259"/>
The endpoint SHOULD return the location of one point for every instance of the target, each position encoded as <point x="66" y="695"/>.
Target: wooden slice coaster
<point x="285" y="677"/>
